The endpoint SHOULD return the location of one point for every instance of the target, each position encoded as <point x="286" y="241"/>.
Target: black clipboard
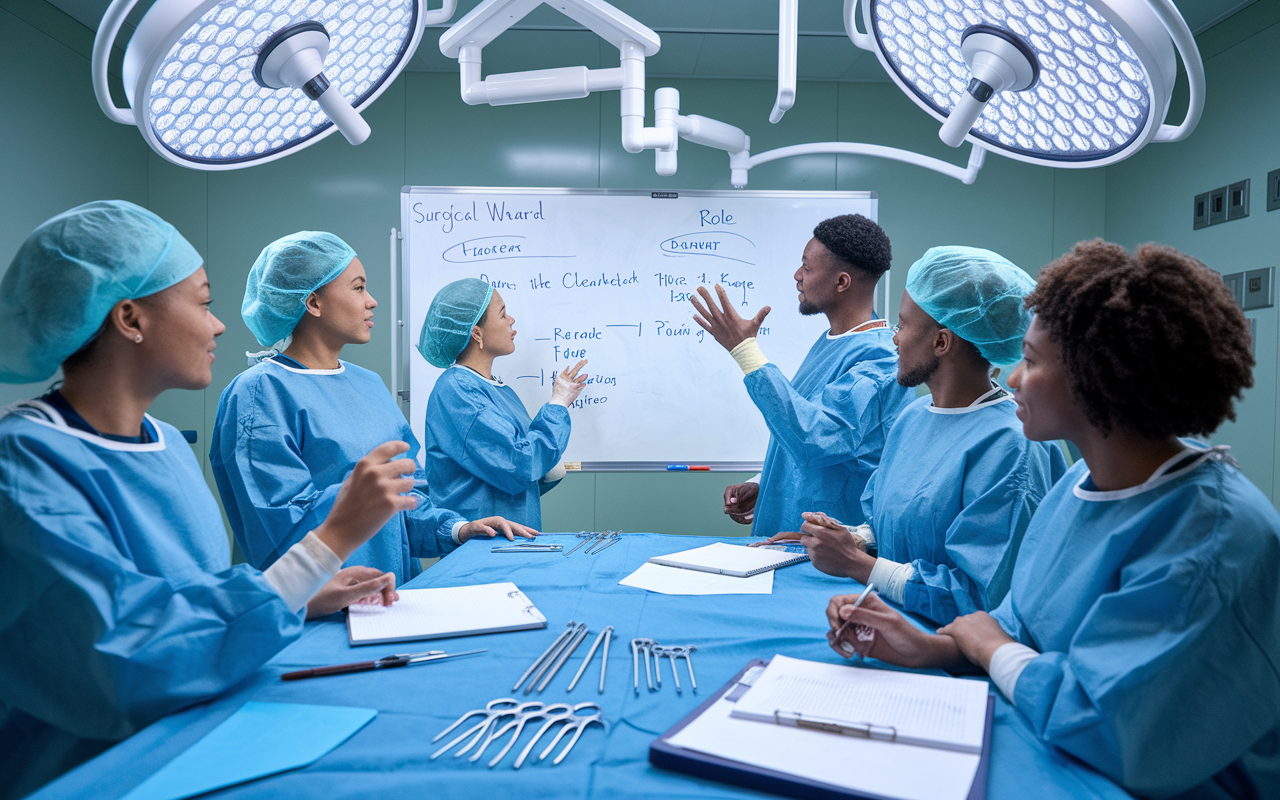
<point x="663" y="754"/>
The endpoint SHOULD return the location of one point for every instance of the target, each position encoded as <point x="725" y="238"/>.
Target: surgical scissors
<point x="493" y="711"/>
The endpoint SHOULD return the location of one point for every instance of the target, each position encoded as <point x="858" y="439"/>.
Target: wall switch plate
<point x="1257" y="288"/>
<point x="1218" y="206"/>
<point x="1200" y="211"/>
<point x="1273" y="190"/>
<point x="1238" y="199"/>
<point x="1235" y="282"/>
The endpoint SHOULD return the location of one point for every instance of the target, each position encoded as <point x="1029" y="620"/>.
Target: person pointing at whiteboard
<point x="827" y="424"/>
<point x="483" y="450"/>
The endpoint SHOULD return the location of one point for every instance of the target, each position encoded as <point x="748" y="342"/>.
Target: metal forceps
<point x="607" y="538"/>
<point x="572" y="720"/>
<point x="523" y="714"/>
<point x="492" y="712"/>
<point x="681" y="651"/>
<point x="638" y="646"/>
<point x="585" y="536"/>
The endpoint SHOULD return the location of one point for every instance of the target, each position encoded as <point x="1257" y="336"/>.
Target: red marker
<point x="699" y="469"/>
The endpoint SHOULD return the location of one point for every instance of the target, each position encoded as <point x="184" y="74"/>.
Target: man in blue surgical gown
<point x="958" y="481"/>
<point x="827" y="424"/>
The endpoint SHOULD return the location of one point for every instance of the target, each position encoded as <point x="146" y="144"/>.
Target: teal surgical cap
<point x="287" y="271"/>
<point x="72" y="270"/>
<point x="977" y="294"/>
<point x="454" y="312"/>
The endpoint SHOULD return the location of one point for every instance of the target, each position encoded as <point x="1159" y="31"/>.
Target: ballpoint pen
<point x="400" y="660"/>
<point x="846" y="646"/>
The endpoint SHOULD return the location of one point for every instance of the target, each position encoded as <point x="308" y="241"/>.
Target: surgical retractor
<point x="564" y="656"/>
<point x="590" y="655"/>
<point x="547" y="653"/>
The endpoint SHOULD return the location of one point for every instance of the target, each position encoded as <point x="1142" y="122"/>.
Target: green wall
<point x="59" y="151"/>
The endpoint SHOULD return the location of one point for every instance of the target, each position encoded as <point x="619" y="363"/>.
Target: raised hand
<point x="568" y="385"/>
<point x="722" y="321"/>
<point x="373" y="492"/>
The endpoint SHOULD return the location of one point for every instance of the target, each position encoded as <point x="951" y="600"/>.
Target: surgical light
<point x="225" y="84"/>
<point x="1062" y="83"/>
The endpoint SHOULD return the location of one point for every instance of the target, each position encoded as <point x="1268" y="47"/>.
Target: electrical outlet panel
<point x="1200" y="212"/>
<point x="1257" y="288"/>
<point x="1273" y="190"/>
<point x="1218" y="206"/>
<point x="1238" y="199"/>
<point x="1230" y="202"/>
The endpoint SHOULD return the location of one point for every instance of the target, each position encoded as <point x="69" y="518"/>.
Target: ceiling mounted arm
<point x="788" y="33"/>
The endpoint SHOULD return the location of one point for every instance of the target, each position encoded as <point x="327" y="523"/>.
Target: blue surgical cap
<point x="453" y="313"/>
<point x="287" y="271"/>
<point x="977" y="294"/>
<point x="72" y="270"/>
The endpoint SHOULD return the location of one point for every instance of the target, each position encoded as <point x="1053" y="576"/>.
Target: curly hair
<point x="1152" y="343"/>
<point x="857" y="242"/>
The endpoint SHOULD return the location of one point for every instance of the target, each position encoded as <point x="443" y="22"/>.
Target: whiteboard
<point x="605" y="274"/>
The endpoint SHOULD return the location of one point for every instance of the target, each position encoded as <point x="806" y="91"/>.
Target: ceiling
<point x="700" y="38"/>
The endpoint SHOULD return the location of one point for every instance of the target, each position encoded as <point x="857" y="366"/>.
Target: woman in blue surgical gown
<point x="483" y="448"/>
<point x="118" y="601"/>
<point x="1141" y="631"/>
<point x="289" y="429"/>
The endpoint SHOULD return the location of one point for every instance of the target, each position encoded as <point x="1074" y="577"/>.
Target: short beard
<point x="919" y="375"/>
<point x="809" y="309"/>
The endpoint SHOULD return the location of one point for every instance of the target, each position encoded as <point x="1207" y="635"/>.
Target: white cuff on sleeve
<point x="755" y="478"/>
<point x="557" y="472"/>
<point x="749" y="355"/>
<point x="1007" y="664"/>
<point x="457" y="531"/>
<point x="864" y="533"/>
<point x="891" y="578"/>
<point x="302" y="570"/>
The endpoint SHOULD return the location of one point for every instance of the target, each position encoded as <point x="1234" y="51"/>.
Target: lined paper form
<point x="926" y="710"/>
<point x="440" y="613"/>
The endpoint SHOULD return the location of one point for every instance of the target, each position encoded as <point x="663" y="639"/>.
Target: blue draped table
<point x="389" y="758"/>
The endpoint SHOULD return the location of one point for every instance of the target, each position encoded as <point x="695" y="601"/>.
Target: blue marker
<point x="677" y="468"/>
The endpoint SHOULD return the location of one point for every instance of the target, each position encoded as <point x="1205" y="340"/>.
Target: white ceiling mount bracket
<point x="741" y="163"/>
<point x="999" y="61"/>
<point x="788" y="34"/>
<point x="294" y="57"/>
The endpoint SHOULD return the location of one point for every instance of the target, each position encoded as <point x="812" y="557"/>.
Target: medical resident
<point x="1141" y="631"/>
<point x="483" y="450"/>
<point x="118" y="601"/>
<point x="827" y="424"/>
<point x="958" y="482"/>
<point x="290" y="429"/>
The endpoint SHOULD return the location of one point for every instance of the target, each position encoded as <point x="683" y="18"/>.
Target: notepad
<point x="445" y="612"/>
<point x="730" y="559"/>
<point x="904" y="707"/>
<point x="260" y="739"/>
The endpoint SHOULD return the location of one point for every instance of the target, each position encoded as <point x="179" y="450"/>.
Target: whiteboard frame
<point x="402" y="339"/>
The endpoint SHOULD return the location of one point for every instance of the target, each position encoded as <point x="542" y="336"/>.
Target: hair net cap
<point x="287" y="271"/>
<point x="453" y="313"/>
<point x="72" y="270"/>
<point x="977" y="294"/>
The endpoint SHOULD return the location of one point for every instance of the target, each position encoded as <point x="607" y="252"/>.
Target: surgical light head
<point x="977" y="294"/>
<point x="72" y="270"/>
<point x="286" y="273"/>
<point x="454" y="311"/>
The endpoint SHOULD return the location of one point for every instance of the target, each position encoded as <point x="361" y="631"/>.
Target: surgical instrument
<point x="590" y="655"/>
<point x="546" y="665"/>
<point x="571" y="720"/>
<point x="559" y="640"/>
<point x="400" y="660"/>
<point x="611" y="543"/>
<point x="564" y="656"/>
<point x="493" y="710"/>
<point x="528" y="548"/>
<point x="683" y="651"/>
<point x="586" y="537"/>
<point x="554" y="711"/>
<point x="638" y="646"/>
<point x="607" y="538"/>
<point x="604" y="656"/>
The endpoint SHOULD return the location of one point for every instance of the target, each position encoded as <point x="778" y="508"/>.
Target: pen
<point x="677" y="468"/>
<point x="845" y="646"/>
<point x="401" y="660"/>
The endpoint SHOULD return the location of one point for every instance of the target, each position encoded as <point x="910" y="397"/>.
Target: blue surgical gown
<point x="827" y="428"/>
<point x="953" y="496"/>
<point x="484" y="454"/>
<point x="285" y="439"/>
<point x="1157" y="616"/>
<point x="118" y="601"/>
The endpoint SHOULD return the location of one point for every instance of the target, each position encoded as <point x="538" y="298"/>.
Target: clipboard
<point x="700" y="765"/>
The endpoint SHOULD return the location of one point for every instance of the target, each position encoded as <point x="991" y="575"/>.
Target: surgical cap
<point x="286" y="273"/>
<point x="72" y="270"/>
<point x="453" y="313"/>
<point x="977" y="294"/>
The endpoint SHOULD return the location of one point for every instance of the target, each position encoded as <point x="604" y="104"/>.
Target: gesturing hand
<point x="722" y="321"/>
<point x="353" y="586"/>
<point x="492" y="526"/>
<point x="373" y="492"/>
<point x="740" y="502"/>
<point x="568" y="385"/>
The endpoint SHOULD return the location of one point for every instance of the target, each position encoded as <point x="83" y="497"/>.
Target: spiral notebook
<point x="445" y="612"/>
<point x="730" y="559"/>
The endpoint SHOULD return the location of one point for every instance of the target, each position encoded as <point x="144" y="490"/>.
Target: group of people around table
<point x="1128" y="606"/>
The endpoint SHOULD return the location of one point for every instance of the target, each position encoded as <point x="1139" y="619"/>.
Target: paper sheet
<point x="258" y="740"/>
<point x="929" y="709"/>
<point x="673" y="580"/>
<point x="729" y="558"/>
<point x="437" y="613"/>
<point x="882" y="768"/>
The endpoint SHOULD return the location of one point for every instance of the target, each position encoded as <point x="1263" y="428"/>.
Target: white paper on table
<point x="673" y="580"/>
<point x="929" y="710"/>
<point x="865" y="765"/>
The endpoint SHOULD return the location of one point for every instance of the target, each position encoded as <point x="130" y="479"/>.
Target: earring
<point x="138" y="338"/>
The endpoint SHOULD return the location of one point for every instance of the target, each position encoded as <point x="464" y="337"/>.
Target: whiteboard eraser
<point x="573" y="466"/>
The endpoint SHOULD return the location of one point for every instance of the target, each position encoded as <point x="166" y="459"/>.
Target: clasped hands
<point x="832" y="547"/>
<point x="876" y="630"/>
